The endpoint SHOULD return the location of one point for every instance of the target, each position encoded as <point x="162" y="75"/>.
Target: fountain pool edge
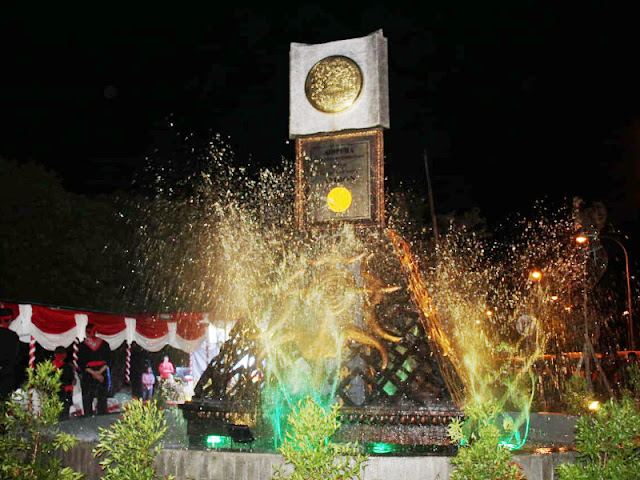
<point x="223" y="465"/>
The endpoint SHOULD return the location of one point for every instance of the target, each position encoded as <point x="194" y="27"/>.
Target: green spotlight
<point x="217" y="441"/>
<point x="381" y="448"/>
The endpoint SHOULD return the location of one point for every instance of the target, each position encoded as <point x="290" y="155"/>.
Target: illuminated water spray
<point x="493" y="310"/>
<point x="307" y="298"/>
<point x="225" y="243"/>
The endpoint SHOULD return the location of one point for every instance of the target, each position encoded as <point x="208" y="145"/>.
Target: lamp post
<point x="582" y="239"/>
<point x="588" y="352"/>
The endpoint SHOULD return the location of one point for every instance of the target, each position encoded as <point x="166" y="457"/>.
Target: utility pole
<point x="588" y="352"/>
<point x="432" y="207"/>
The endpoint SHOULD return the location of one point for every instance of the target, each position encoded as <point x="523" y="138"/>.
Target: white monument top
<point x="341" y="85"/>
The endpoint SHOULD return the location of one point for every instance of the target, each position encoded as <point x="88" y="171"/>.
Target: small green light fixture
<point x="215" y="441"/>
<point x="381" y="448"/>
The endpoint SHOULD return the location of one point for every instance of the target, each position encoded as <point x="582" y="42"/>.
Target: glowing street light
<point x="535" y="275"/>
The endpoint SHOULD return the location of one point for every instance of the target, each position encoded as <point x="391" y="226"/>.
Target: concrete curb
<point x="216" y="465"/>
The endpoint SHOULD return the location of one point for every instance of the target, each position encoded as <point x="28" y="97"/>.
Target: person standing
<point x="148" y="380"/>
<point x="166" y="369"/>
<point x="9" y="348"/>
<point x="67" y="380"/>
<point x="94" y="357"/>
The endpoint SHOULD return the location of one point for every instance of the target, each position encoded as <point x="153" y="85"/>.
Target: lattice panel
<point x="234" y="375"/>
<point x="412" y="374"/>
<point x="412" y="377"/>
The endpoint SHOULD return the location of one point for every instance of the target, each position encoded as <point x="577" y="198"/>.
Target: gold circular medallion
<point x="333" y="84"/>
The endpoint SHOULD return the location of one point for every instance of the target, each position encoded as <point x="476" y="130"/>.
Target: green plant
<point x="309" y="450"/>
<point x="481" y="455"/>
<point x="578" y="395"/>
<point x="607" y="444"/>
<point x="127" y="448"/>
<point x="28" y="429"/>
<point x="633" y="375"/>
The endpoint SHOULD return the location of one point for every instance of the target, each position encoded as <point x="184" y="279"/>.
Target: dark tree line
<point x="60" y="248"/>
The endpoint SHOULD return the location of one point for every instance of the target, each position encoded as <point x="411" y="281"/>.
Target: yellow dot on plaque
<point x="339" y="199"/>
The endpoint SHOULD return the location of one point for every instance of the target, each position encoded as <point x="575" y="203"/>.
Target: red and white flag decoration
<point x="53" y="327"/>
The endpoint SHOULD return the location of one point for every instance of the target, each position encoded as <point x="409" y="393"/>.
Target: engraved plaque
<point x="340" y="178"/>
<point x="333" y="84"/>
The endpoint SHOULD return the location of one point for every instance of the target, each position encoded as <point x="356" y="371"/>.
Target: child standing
<point x="148" y="380"/>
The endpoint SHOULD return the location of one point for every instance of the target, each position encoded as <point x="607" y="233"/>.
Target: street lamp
<point x="583" y="238"/>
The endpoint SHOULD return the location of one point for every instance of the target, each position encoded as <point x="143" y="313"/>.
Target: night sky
<point x="512" y="102"/>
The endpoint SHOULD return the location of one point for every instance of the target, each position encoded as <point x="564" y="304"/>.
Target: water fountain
<point x="326" y="324"/>
<point x="345" y="315"/>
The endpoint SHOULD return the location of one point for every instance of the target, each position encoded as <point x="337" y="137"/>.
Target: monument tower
<point x="343" y="324"/>
<point x="339" y="106"/>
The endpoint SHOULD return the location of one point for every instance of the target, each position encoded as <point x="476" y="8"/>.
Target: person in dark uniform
<point x="94" y="357"/>
<point x="67" y="379"/>
<point x="9" y="347"/>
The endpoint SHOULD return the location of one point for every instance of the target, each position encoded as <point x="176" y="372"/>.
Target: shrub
<point x="28" y="429"/>
<point x="308" y="448"/>
<point x="633" y="379"/>
<point x="607" y="444"/>
<point x="578" y="395"/>
<point x="481" y="455"/>
<point x="127" y="448"/>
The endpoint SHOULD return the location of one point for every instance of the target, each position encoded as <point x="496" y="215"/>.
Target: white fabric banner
<point x="25" y="329"/>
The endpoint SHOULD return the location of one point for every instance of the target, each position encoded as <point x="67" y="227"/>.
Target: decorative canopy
<point x="53" y="327"/>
